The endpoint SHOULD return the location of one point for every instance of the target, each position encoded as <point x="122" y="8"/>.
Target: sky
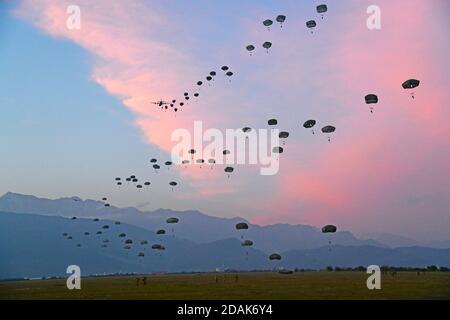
<point x="76" y="112"/>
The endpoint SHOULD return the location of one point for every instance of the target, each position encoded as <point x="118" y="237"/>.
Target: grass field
<point x="302" y="285"/>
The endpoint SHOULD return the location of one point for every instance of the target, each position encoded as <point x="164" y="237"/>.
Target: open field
<point x="304" y="285"/>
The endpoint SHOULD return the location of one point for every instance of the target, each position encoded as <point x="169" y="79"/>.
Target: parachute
<point x="105" y="226"/>
<point x="272" y="122"/>
<point x="152" y="161"/>
<point x="104" y="199"/>
<point x="267" y="23"/>
<point x="371" y="99"/>
<point x="278" y="150"/>
<point x="212" y="73"/>
<point x="168" y="163"/>
<point x="267" y="45"/>
<point x="127" y="247"/>
<point x="225" y="152"/>
<point x="96" y="219"/>
<point x="172" y="220"/>
<point x="74" y="218"/>
<point x="274" y="256"/>
<point x="161" y="231"/>
<point x="99" y="232"/>
<point x="119" y="183"/>
<point x="250" y="48"/>
<point x="117" y="222"/>
<point x="246" y="129"/>
<point x="199" y="83"/>
<point x="141" y="254"/>
<point x="185" y="162"/>
<point x="196" y="94"/>
<point x="411" y="84"/>
<point x="173" y="184"/>
<point x="225" y="68"/>
<point x="117" y="179"/>
<point x="143" y="242"/>
<point x="328" y="129"/>
<point x="311" y="24"/>
<point x="128" y="241"/>
<point x="246" y="243"/>
<point x="229" y="170"/>
<point x="281" y="19"/>
<point x="139" y="186"/>
<point x="241" y="226"/>
<point x="229" y="74"/>
<point x="147" y="183"/>
<point x="283" y="135"/>
<point x="86" y="233"/>
<point x="156" y="167"/>
<point x="122" y="235"/>
<point x="329" y="229"/>
<point x="107" y="204"/>
<point x="321" y="9"/>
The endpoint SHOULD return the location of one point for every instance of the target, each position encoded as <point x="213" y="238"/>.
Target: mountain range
<point x="32" y="242"/>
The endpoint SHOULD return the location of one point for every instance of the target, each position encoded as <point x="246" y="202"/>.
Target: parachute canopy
<point x="410" y="84"/>
<point x="267" y="23"/>
<point x="229" y="169"/>
<point x="267" y="45"/>
<point x="281" y="18"/>
<point x="161" y="231"/>
<point x="241" y="226"/>
<point x="328" y="129"/>
<point x="371" y="98"/>
<point x="247" y="243"/>
<point x="329" y="229"/>
<point x="274" y="256"/>
<point x="272" y="122"/>
<point x="283" y="135"/>
<point x="172" y="220"/>
<point x="322" y="8"/>
<point x="311" y="24"/>
<point x="277" y="150"/>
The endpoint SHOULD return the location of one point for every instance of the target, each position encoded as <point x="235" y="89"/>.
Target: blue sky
<point x="75" y="107"/>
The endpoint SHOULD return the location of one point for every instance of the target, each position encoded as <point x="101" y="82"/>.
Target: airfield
<point x="239" y="286"/>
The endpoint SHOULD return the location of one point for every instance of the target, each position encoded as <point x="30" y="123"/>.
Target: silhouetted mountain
<point x="34" y="246"/>
<point x="194" y="225"/>
<point x="391" y="240"/>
